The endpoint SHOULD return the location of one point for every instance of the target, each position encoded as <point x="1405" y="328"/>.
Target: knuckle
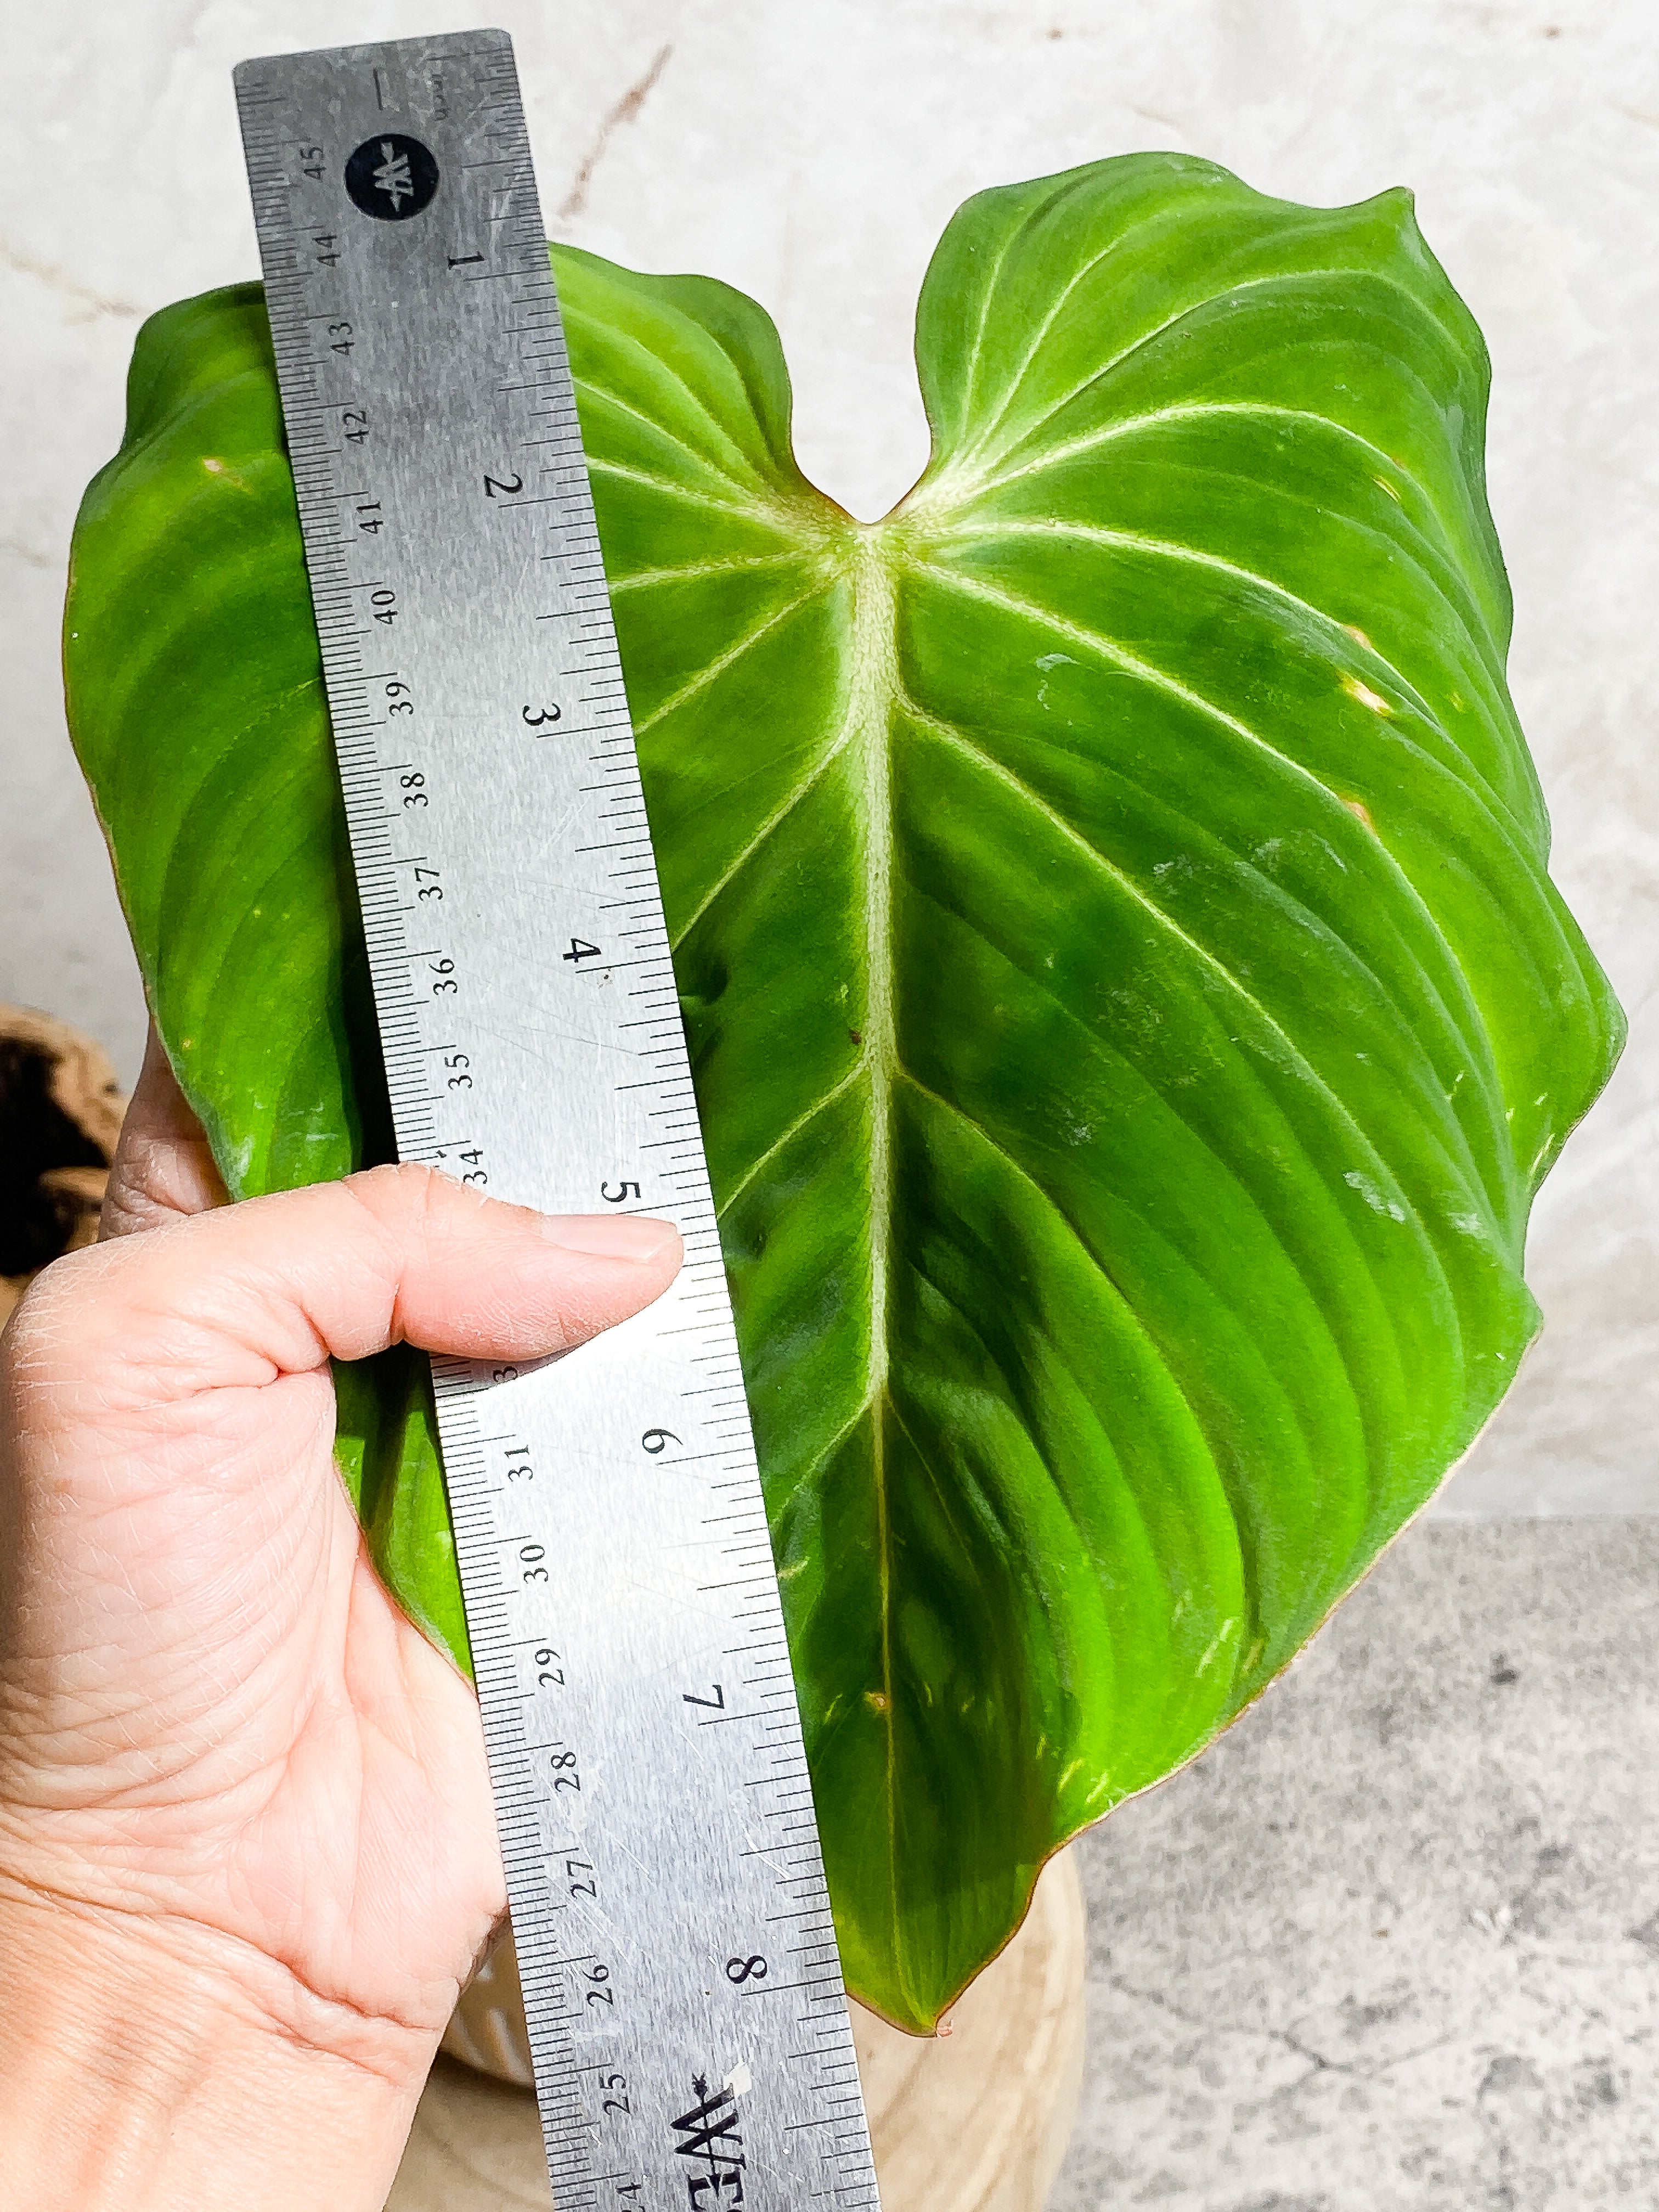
<point x="421" y="1199"/>
<point x="55" y="1334"/>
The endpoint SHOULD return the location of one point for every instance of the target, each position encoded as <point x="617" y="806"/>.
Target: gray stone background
<point x="1465" y="1760"/>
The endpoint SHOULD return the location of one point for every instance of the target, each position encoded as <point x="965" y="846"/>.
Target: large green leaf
<point x="1129" y="1012"/>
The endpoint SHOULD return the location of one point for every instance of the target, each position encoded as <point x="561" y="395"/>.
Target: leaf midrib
<point x="873" y="686"/>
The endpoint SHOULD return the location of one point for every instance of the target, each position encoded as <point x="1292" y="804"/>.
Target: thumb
<point x="163" y="1166"/>
<point x="243" y="1294"/>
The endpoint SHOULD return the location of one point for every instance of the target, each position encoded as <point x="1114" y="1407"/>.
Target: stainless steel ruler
<point x="687" y="2017"/>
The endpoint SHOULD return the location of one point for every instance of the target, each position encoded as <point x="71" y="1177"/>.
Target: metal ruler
<point x="686" y="2011"/>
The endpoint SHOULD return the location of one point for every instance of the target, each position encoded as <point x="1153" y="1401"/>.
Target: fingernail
<point x="610" y="1236"/>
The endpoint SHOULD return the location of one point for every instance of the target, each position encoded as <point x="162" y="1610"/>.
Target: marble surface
<point x="811" y="153"/>
<point x="1393" y="1944"/>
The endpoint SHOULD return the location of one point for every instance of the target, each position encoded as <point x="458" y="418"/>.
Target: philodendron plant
<point x="1129" y="1010"/>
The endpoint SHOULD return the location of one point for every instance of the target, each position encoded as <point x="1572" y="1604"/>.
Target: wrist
<point x="147" y="2063"/>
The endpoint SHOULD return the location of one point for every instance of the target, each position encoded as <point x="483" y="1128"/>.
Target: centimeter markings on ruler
<point x="683" y="1994"/>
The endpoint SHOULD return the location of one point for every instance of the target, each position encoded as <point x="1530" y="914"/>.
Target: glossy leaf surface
<point x="1129" y="1012"/>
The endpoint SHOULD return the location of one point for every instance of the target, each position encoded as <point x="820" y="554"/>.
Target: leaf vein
<point x="1194" y="308"/>
<point x="645" y="579"/>
<point x="1300" y="1066"/>
<point x="711" y="670"/>
<point x="1173" y="550"/>
<point x="779" y="815"/>
<point x="819" y="1105"/>
<point x="1148" y="672"/>
<point x="746" y="510"/>
<point x="746" y="479"/>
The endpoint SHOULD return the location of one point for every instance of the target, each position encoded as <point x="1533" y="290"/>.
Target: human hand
<point x="247" y="1853"/>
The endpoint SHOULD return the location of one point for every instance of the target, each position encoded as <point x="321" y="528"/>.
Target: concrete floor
<point x="1393" y="1944"/>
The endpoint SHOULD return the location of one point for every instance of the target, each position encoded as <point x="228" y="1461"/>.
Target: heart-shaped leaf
<point x="1129" y="1012"/>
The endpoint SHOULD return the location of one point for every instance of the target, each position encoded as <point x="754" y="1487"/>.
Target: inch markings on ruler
<point x="687" y="2016"/>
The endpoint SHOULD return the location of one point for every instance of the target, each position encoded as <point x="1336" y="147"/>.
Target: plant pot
<point x="60" y="1115"/>
<point x="976" y="2120"/>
